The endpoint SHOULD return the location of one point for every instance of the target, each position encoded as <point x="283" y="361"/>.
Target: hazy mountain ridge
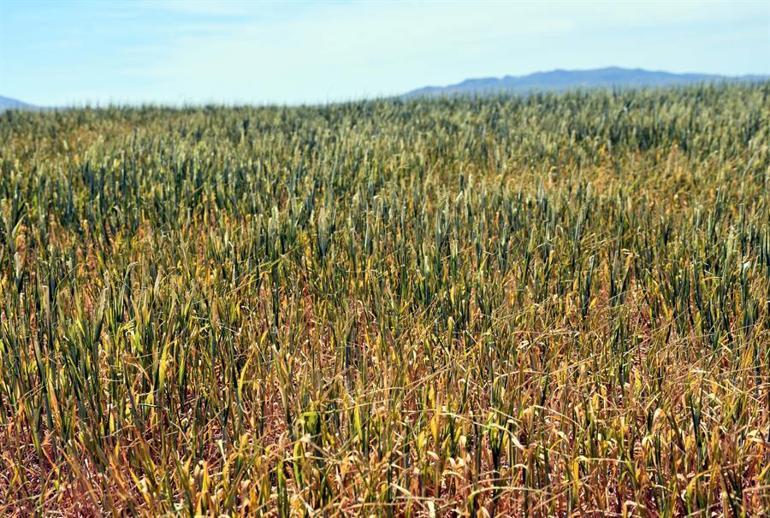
<point x="7" y="103"/>
<point x="558" y="80"/>
<point x="561" y="80"/>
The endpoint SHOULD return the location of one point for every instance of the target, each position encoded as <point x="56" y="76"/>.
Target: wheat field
<point x="548" y="305"/>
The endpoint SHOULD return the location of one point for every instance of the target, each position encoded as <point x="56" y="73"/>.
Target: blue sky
<point x="233" y="51"/>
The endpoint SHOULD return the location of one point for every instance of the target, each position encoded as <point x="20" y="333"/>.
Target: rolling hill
<point x="7" y="103"/>
<point x="561" y="80"/>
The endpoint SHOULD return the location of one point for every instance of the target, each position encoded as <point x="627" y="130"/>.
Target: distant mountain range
<point x="561" y="80"/>
<point x="552" y="81"/>
<point x="6" y="103"/>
